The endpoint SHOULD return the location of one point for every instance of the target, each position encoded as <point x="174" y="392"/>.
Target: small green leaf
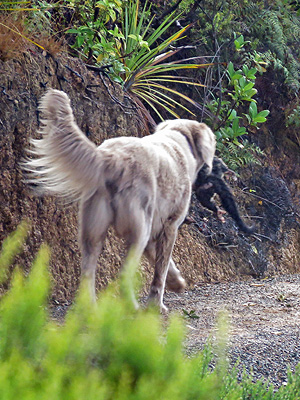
<point x="232" y="115"/>
<point x="252" y="109"/>
<point x="245" y="69"/>
<point x="132" y="36"/>
<point x="248" y="86"/>
<point x="118" y="79"/>
<point x="249" y="119"/>
<point x="79" y="41"/>
<point x="247" y="96"/>
<point x="236" y="76"/>
<point x="72" y="31"/>
<point x="230" y="69"/>
<point x="85" y="29"/>
<point x="242" y="82"/>
<point x="237" y="45"/>
<point x="263" y="113"/>
<point x="260" y="120"/>
<point x="235" y="124"/>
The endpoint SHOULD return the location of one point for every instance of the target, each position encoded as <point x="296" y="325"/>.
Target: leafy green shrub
<point x="119" y="37"/>
<point x="231" y="124"/>
<point x="10" y="248"/>
<point x="106" y="351"/>
<point x="137" y="54"/>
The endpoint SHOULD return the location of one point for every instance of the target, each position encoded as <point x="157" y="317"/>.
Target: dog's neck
<point x="187" y="139"/>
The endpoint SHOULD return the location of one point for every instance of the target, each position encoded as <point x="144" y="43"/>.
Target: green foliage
<point x="293" y="118"/>
<point x="255" y="117"/>
<point x="138" y="55"/>
<point x="22" y="313"/>
<point x="237" y="156"/>
<point x="119" y="36"/>
<point x="107" y="350"/>
<point x="272" y="28"/>
<point x="10" y="248"/>
<point x="242" y="82"/>
<point x="240" y="90"/>
<point x="242" y="34"/>
<point x="94" y="41"/>
<point x="231" y="127"/>
<point x="276" y="30"/>
<point x="240" y="42"/>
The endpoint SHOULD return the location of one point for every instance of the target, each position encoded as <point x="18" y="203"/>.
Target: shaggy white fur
<point x="141" y="186"/>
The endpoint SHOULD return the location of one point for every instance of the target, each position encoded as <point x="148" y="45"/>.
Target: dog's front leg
<point x="164" y="247"/>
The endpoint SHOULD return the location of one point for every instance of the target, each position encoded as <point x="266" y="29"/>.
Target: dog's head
<point x="201" y="139"/>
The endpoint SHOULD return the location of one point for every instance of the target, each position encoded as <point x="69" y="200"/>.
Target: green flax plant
<point x="147" y="72"/>
<point x="140" y="58"/>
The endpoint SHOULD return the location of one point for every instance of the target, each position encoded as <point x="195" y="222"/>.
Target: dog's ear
<point x="203" y="143"/>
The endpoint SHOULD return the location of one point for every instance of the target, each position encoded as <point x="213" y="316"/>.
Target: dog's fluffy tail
<point x="66" y="163"/>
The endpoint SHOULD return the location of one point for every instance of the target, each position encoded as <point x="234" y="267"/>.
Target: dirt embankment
<point x="205" y="251"/>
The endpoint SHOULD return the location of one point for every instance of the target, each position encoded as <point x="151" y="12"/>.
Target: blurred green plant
<point x="108" y="350"/>
<point x="11" y="246"/>
<point x="105" y="351"/>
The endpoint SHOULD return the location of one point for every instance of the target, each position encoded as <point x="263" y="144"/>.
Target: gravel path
<point x="264" y="319"/>
<point x="264" y="322"/>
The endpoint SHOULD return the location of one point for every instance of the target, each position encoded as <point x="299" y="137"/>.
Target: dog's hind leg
<point x="175" y="281"/>
<point x="136" y="242"/>
<point x="164" y="246"/>
<point x="95" y="216"/>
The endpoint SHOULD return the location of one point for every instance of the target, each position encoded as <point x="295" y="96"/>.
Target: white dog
<point x="141" y="186"/>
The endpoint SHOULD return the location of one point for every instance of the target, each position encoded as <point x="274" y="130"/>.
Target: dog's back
<point x="149" y="175"/>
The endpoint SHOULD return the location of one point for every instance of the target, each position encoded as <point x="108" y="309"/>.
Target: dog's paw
<point x="176" y="284"/>
<point x="155" y="299"/>
<point x="159" y="306"/>
<point x="163" y="309"/>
